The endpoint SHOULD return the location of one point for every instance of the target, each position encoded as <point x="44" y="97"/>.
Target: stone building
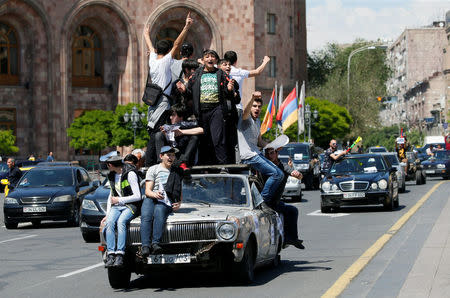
<point x="59" y="58"/>
<point x="417" y="60"/>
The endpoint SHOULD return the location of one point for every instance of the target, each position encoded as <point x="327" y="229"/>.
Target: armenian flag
<point x="288" y="114"/>
<point x="266" y="125"/>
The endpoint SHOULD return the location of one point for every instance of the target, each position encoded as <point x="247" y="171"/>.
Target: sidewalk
<point x="430" y="275"/>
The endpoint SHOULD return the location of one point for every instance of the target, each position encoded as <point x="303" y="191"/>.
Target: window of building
<point x="291" y="27"/>
<point x="271" y="23"/>
<point x="291" y="68"/>
<point x="8" y="119"/>
<point x="9" y="56"/>
<point x="87" y="58"/>
<point x="273" y="67"/>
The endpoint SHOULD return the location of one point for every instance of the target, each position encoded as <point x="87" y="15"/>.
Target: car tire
<point x="388" y="203"/>
<point x="277" y="259"/>
<point x="424" y="178"/>
<point x="119" y="278"/>
<point x="245" y="269"/>
<point x="11" y="225"/>
<point x="325" y="209"/>
<point x="91" y="237"/>
<point x="36" y="223"/>
<point x="74" y="221"/>
<point x="403" y="188"/>
<point x="296" y="198"/>
<point x="316" y="183"/>
<point x="396" y="203"/>
<point x="309" y="183"/>
<point x="418" y="177"/>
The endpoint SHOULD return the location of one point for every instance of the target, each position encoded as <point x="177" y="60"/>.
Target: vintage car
<point x="438" y="165"/>
<point x="414" y="168"/>
<point x="360" y="179"/>
<point x="401" y="175"/>
<point x="221" y="226"/>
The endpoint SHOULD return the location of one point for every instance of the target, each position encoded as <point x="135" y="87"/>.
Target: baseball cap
<point x="168" y="149"/>
<point x="115" y="160"/>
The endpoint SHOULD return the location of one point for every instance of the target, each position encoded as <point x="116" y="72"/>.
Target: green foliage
<point x="92" y="130"/>
<point x="386" y="136"/>
<point x="7" y="141"/>
<point x="122" y="133"/>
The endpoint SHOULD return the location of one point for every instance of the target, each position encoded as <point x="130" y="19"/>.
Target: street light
<point x="364" y="48"/>
<point x="135" y="119"/>
<point x="308" y="119"/>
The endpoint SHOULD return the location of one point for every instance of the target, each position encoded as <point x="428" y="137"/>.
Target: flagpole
<point x="303" y="111"/>
<point x="276" y="107"/>
<point x="280" y="99"/>
<point x="298" y="112"/>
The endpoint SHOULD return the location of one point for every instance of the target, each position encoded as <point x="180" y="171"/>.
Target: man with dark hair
<point x="331" y="156"/>
<point x="14" y="173"/>
<point x="189" y="66"/>
<point x="160" y="63"/>
<point x="186" y="52"/>
<point x="240" y="74"/>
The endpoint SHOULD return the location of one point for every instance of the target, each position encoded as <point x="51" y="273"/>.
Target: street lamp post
<point x="135" y="119"/>
<point x="308" y="119"/>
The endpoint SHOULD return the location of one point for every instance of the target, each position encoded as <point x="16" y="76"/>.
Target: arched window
<point x="9" y="56"/>
<point x="87" y="61"/>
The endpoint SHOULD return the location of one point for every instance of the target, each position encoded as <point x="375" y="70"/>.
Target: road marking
<point x="81" y="270"/>
<point x="319" y="213"/>
<point x="19" y="238"/>
<point x="344" y="280"/>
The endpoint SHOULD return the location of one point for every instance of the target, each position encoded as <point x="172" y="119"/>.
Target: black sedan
<point x="362" y="179"/>
<point x="438" y="165"/>
<point x="47" y="193"/>
<point x="93" y="210"/>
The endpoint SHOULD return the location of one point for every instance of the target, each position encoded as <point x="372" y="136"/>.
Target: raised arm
<point x="260" y="69"/>
<point x="147" y="38"/>
<point x="179" y="41"/>
<point x="248" y="105"/>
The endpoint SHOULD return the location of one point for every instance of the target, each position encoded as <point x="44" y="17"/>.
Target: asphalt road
<point x="54" y="261"/>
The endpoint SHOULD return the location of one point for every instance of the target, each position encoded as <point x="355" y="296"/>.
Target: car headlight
<point x="226" y="231"/>
<point x="303" y="166"/>
<point x="382" y="184"/>
<point x="89" y="205"/>
<point x="374" y="186"/>
<point x="440" y="166"/>
<point x="65" y="198"/>
<point x="11" y="201"/>
<point x="334" y="187"/>
<point x="326" y="186"/>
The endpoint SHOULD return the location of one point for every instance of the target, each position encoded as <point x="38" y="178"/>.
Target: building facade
<point x="60" y="58"/>
<point x="418" y="82"/>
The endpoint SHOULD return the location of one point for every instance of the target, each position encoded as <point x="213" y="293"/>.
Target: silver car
<point x="401" y="176"/>
<point x="221" y="226"/>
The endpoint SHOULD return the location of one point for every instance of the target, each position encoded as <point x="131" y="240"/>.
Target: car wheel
<point x="245" y="268"/>
<point x="91" y="237"/>
<point x="119" y="278"/>
<point x="389" y="201"/>
<point x="403" y="188"/>
<point x="396" y="203"/>
<point x="418" y="177"/>
<point x="309" y="182"/>
<point x="74" y="221"/>
<point x="36" y="223"/>
<point x="11" y="225"/>
<point x="424" y="178"/>
<point x="296" y="198"/>
<point x="277" y="259"/>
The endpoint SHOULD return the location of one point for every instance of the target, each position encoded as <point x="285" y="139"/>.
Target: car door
<point x="83" y="184"/>
<point x="263" y="223"/>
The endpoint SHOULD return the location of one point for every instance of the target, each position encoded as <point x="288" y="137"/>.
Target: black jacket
<point x="135" y="207"/>
<point x="14" y="176"/>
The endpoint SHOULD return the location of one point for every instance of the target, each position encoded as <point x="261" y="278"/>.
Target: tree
<point x="92" y="130"/>
<point x="386" y="137"/>
<point x="7" y="141"/>
<point x="122" y="133"/>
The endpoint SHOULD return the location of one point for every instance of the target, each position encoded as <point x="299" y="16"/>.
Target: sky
<point x="343" y="21"/>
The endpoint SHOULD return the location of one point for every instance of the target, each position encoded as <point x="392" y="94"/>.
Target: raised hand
<point x="189" y="20"/>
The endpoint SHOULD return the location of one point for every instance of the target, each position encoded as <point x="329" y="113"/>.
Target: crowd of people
<point x="199" y="119"/>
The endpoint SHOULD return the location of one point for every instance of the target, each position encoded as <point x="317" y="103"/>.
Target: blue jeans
<point x="266" y="168"/>
<point x="120" y="215"/>
<point x="153" y="220"/>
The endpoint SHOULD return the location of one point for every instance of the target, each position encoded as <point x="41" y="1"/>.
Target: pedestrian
<point x="240" y="74"/>
<point x="14" y="173"/>
<point x="157" y="205"/>
<point x="124" y="203"/>
<point x="186" y="52"/>
<point x="160" y="63"/>
<point x="249" y="138"/>
<point x="331" y="156"/>
<point x="290" y="213"/>
<point x="50" y="157"/>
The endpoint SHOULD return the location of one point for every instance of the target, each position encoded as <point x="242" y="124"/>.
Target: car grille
<point x="179" y="233"/>
<point x="354" y="185"/>
<point x="35" y="200"/>
<point x="104" y="206"/>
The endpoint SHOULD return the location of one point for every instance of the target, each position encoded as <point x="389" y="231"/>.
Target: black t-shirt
<point x="328" y="161"/>
<point x="14" y="176"/>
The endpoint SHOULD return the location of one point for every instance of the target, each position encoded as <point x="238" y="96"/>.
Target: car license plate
<point x="34" y="209"/>
<point x="429" y="171"/>
<point x="352" y="195"/>
<point x="169" y="259"/>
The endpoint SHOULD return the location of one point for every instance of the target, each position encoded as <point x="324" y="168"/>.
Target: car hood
<point x="358" y="177"/>
<point x="100" y="194"/>
<point x="436" y="161"/>
<point x="42" y="192"/>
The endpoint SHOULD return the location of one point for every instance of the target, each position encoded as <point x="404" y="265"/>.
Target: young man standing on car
<point x="331" y="157"/>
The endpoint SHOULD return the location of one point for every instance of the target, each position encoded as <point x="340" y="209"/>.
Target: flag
<point x="287" y="114"/>
<point x="301" y="110"/>
<point x="266" y="125"/>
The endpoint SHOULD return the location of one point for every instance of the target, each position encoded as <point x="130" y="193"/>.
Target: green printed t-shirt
<point x="209" y="91"/>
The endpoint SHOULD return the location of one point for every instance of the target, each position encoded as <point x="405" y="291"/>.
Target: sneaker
<point x="297" y="243"/>
<point x="156" y="249"/>
<point x="118" y="262"/>
<point x="109" y="262"/>
<point x="145" y="251"/>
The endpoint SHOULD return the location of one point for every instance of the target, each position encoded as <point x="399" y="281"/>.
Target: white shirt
<point x="160" y="70"/>
<point x="134" y="183"/>
<point x="239" y="74"/>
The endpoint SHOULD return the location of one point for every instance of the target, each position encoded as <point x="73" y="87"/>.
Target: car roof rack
<point x="227" y="169"/>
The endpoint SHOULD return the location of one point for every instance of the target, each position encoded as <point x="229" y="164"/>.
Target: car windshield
<point x="378" y="149"/>
<point x="47" y="177"/>
<point x="366" y="164"/>
<point x="441" y="154"/>
<point x="392" y="159"/>
<point x="215" y="190"/>
<point x="3" y="168"/>
<point x="296" y="152"/>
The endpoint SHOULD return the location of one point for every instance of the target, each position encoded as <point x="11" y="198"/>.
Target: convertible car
<point x="362" y="179"/>
<point x="221" y="226"/>
<point x="438" y="165"/>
